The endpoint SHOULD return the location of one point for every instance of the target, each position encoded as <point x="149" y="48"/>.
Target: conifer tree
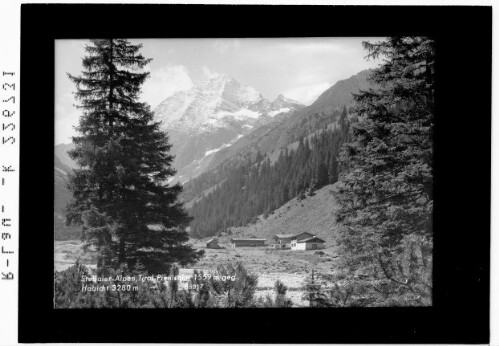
<point x="386" y="188"/>
<point x="313" y="292"/>
<point x="129" y="214"/>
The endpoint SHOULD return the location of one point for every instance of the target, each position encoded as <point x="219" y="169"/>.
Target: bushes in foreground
<point x="229" y="286"/>
<point x="402" y="280"/>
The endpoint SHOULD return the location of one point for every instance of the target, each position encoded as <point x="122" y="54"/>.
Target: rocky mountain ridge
<point x="213" y="115"/>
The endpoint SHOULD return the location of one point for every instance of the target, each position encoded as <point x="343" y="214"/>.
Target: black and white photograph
<point x="244" y="172"/>
<point x="223" y="172"/>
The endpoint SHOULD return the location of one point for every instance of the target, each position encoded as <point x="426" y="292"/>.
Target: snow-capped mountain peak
<point x="282" y="104"/>
<point x="214" y="114"/>
<point x="210" y="104"/>
<point x="283" y="101"/>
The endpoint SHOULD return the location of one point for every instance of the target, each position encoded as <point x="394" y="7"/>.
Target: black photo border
<point x="460" y="311"/>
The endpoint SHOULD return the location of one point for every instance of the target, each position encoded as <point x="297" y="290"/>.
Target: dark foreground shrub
<point x="229" y="286"/>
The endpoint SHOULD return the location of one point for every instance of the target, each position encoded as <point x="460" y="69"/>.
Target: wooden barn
<point x="312" y="243"/>
<point x="251" y="242"/>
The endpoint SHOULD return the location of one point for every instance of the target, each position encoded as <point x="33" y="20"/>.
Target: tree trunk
<point x="111" y="88"/>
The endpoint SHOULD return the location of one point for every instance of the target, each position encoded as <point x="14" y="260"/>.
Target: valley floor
<point x="290" y="267"/>
<point x="67" y="252"/>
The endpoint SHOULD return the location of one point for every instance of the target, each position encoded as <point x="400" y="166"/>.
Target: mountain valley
<point x="221" y="125"/>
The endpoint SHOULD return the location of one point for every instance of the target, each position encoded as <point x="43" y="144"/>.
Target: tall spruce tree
<point x="386" y="188"/>
<point x="129" y="214"/>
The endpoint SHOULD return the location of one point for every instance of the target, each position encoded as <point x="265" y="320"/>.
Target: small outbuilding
<point x="251" y="242"/>
<point x="274" y="245"/>
<point x="213" y="244"/>
<point x="312" y="243"/>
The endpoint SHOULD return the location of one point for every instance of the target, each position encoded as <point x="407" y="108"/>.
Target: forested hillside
<point x="295" y="216"/>
<point x="271" y="139"/>
<point x="259" y="186"/>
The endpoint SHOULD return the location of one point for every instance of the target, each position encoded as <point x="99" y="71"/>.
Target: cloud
<point x="165" y="81"/>
<point x="307" y="94"/>
<point x="209" y="74"/>
<point x="162" y="83"/>
<point x="66" y="116"/>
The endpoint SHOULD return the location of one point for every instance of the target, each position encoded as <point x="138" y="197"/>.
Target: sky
<point x="298" y="68"/>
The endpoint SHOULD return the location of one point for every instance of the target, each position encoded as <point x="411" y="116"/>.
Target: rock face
<point x="211" y="116"/>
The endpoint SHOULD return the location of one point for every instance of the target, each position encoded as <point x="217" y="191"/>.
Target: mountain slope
<point x="61" y="152"/>
<point x="315" y="214"/>
<point x="340" y="94"/>
<point x="260" y="185"/>
<point x="285" y="132"/>
<point x="212" y="116"/>
<point x="274" y="164"/>
<point x="278" y="134"/>
<point x="62" y="196"/>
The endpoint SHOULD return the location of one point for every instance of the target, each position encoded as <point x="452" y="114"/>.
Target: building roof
<point x="312" y="239"/>
<point x="247" y="239"/>
<point x="284" y="235"/>
<point x="155" y="227"/>
<point x="313" y="235"/>
<point x="212" y="240"/>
